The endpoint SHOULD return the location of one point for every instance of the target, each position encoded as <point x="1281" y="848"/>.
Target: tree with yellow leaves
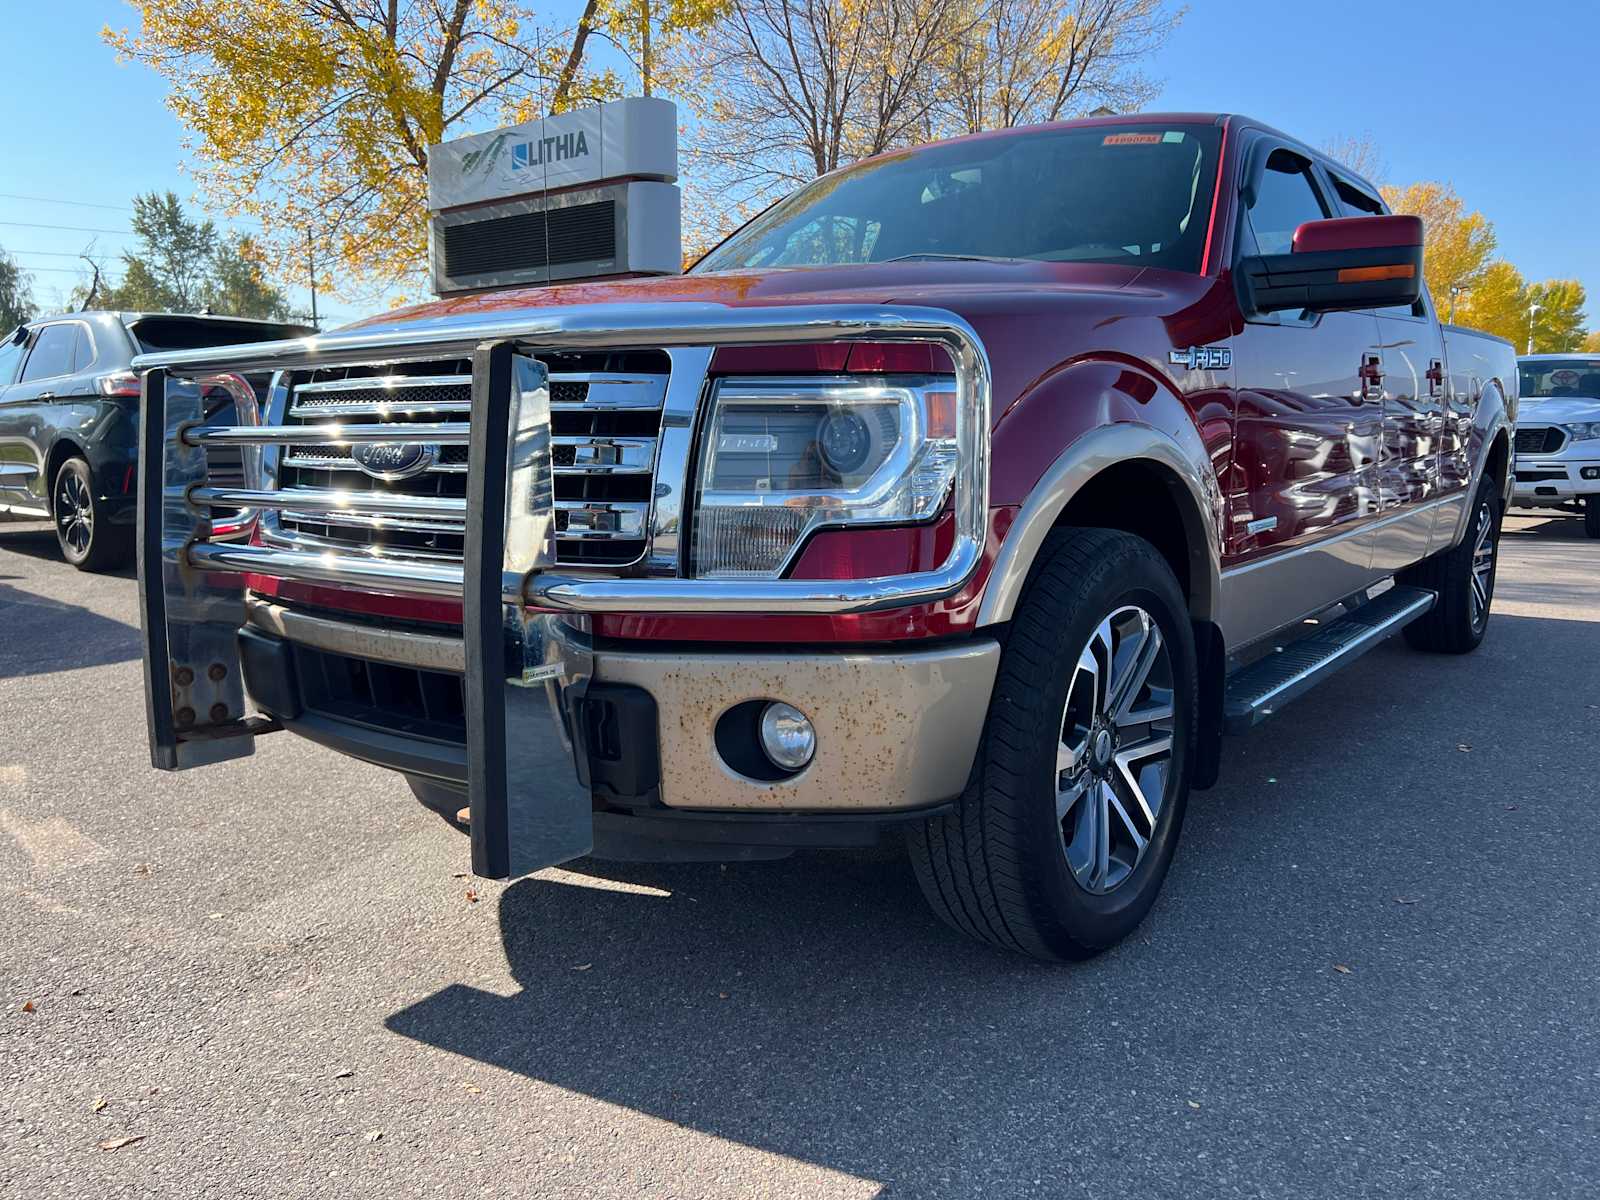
<point x="1458" y="245"/>
<point x="314" y="117"/>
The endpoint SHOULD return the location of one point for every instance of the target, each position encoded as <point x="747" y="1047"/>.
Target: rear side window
<point x="1285" y="200"/>
<point x="54" y="352"/>
<point x="1353" y="202"/>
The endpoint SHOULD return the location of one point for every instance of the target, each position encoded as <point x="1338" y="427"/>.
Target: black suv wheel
<point x="87" y="538"/>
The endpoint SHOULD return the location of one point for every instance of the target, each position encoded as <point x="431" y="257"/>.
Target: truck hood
<point x="1556" y="410"/>
<point x="952" y="285"/>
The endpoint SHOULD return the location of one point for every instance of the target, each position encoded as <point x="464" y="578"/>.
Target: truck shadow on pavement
<point x="800" y="1006"/>
<point x="815" y="1009"/>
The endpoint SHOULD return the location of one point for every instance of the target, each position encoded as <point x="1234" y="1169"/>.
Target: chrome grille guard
<point x="525" y="629"/>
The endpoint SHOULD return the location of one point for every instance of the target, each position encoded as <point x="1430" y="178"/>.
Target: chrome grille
<point x="605" y="419"/>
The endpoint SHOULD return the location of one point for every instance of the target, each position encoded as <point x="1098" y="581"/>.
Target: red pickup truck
<point x="973" y="491"/>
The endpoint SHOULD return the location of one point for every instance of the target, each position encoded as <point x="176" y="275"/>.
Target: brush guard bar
<point x="527" y="646"/>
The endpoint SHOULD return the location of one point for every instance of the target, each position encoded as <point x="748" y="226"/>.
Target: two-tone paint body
<point x="1279" y="465"/>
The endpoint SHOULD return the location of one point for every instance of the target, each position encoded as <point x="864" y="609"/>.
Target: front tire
<point x="1067" y="827"/>
<point x="1463" y="579"/>
<point x="88" y="539"/>
<point x="1591" y="516"/>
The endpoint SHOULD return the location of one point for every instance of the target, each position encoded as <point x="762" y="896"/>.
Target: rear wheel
<point x="1463" y="579"/>
<point x="84" y="532"/>
<point x="1065" y="832"/>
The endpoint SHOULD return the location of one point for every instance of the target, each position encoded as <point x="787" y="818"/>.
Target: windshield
<point x="1139" y="195"/>
<point x="1549" y="377"/>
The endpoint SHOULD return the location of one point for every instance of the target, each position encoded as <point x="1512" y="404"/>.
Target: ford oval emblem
<point x="394" y="460"/>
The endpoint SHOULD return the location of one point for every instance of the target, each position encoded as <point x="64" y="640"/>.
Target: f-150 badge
<point x="1202" y="358"/>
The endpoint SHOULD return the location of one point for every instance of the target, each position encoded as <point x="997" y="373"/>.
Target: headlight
<point x="781" y="457"/>
<point x="1584" y="432"/>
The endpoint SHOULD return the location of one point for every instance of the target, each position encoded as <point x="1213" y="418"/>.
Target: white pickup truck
<point x="1558" y="435"/>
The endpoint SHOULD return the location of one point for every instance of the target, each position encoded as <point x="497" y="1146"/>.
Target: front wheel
<point x="1591" y="516"/>
<point x="1067" y="827"/>
<point x="88" y="539"/>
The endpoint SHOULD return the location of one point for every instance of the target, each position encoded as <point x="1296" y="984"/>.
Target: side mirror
<point x="1344" y="263"/>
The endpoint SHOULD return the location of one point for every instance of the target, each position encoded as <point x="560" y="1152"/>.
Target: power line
<point x="66" y="228"/>
<point x="74" y="203"/>
<point x="50" y="253"/>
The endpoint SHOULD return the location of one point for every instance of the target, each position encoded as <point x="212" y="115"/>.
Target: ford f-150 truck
<point x="974" y="491"/>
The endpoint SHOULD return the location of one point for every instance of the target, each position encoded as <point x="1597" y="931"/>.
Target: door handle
<point x="1435" y="376"/>
<point x="1371" y="375"/>
<point x="45" y="396"/>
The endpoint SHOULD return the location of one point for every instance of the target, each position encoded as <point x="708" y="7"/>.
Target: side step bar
<point x="1265" y="686"/>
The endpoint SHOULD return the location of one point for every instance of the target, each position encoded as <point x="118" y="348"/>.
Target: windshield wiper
<point x="953" y="257"/>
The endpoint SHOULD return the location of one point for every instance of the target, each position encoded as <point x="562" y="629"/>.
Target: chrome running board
<point x="1257" y="691"/>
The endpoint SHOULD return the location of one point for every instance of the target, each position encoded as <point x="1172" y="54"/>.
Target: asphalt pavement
<point x="1374" y="971"/>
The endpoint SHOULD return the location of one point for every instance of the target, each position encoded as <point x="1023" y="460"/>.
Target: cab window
<point x="54" y="351"/>
<point x="1285" y="199"/>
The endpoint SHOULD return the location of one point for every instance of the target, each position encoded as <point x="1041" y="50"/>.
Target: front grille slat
<point x="1540" y="439"/>
<point x="605" y="414"/>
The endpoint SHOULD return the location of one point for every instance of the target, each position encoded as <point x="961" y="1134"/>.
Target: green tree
<point x="237" y="287"/>
<point x="16" y="294"/>
<point x="184" y="265"/>
<point x="173" y="264"/>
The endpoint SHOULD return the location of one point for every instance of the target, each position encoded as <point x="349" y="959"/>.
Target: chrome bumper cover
<point x="526" y="648"/>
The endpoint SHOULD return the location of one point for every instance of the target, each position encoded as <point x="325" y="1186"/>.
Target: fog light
<point x="1591" y="472"/>
<point x="787" y="736"/>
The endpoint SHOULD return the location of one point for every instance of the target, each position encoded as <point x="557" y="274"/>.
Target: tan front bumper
<point x="894" y="730"/>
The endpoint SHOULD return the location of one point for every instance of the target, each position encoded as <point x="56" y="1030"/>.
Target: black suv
<point x="69" y="418"/>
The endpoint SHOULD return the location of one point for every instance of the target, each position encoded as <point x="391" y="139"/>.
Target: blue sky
<point x="1497" y="100"/>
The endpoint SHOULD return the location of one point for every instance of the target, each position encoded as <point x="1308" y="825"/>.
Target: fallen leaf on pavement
<point x="1194" y="1103"/>
<point x="141" y="868"/>
<point x="1406" y="899"/>
<point x="99" y="1103"/>
<point x="722" y="995"/>
<point x="1463" y="747"/>
<point x="463" y="816"/>
<point x="583" y="966"/>
<point x="1342" y="969"/>
<point x="344" y="1074"/>
<point x="472" y="896"/>
<point x="119" y="1143"/>
<point x="460" y="874"/>
<point x="374" y="1135"/>
<point x="27" y="1006"/>
<point x="1512" y="807"/>
<point x="471" y="1087"/>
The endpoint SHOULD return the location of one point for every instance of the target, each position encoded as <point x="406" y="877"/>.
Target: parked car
<point x="974" y="491"/>
<point x="69" y="419"/>
<point x="1558" y="435"/>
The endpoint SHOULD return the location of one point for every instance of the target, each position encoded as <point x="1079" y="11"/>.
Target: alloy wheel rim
<point x="1483" y="552"/>
<point x="1114" y="758"/>
<point x="74" y="512"/>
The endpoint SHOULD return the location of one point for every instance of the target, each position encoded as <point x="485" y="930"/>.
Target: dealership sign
<point x="625" y="139"/>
